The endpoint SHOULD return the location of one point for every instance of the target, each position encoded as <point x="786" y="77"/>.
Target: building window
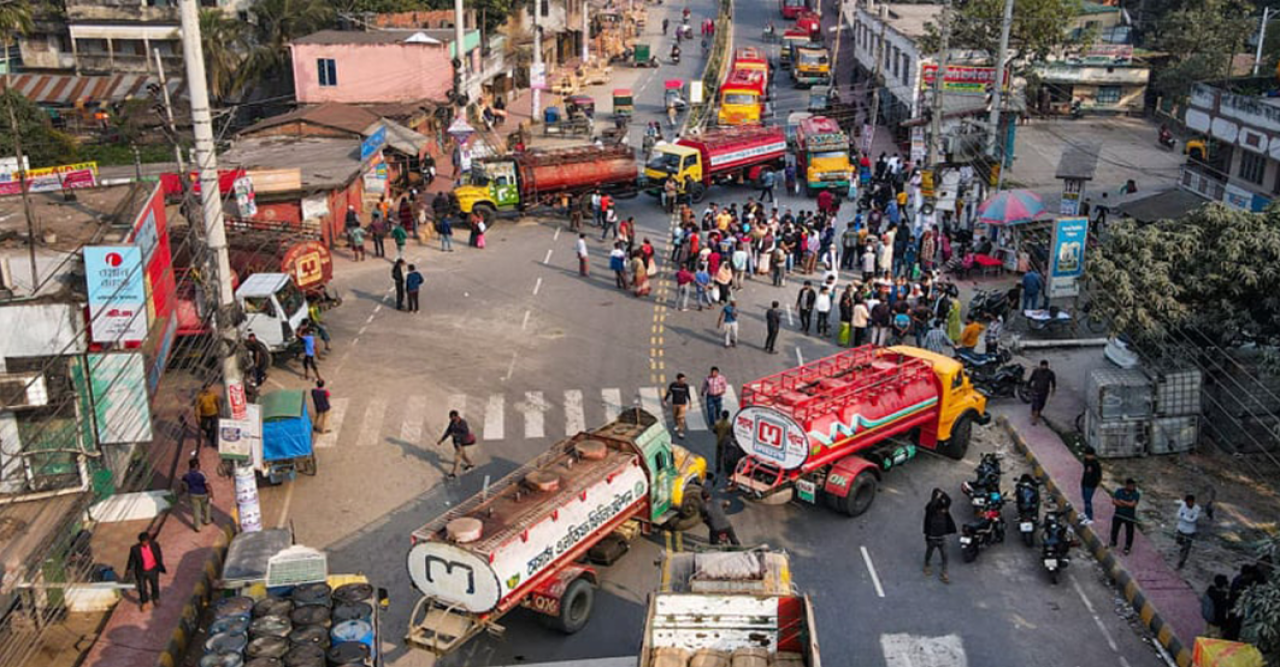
<point x="906" y="69"/>
<point x="545" y="6"/>
<point x="328" y="70"/>
<point x="1108" y="94"/>
<point x="896" y="60"/>
<point x="1252" y="167"/>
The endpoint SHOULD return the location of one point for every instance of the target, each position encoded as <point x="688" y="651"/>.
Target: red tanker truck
<point x="826" y="431"/>
<point x="733" y="154"/>
<point x="523" y="180"/>
<point x="521" y="541"/>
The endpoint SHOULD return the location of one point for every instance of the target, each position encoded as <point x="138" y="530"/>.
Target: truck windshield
<point x="739" y="98"/>
<point x="813" y="58"/>
<point x="291" y="299"/>
<point x="668" y="163"/>
<point x="478" y="177"/>
<point x="829" y="155"/>
<point x="793" y="3"/>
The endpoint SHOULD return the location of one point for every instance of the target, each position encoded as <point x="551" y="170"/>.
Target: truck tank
<point x="577" y="168"/>
<point x="734" y="147"/>
<point x="530" y="522"/>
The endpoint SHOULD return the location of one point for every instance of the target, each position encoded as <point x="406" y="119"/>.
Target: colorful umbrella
<point x="1010" y="207"/>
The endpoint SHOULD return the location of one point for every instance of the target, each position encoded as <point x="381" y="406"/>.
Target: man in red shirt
<point x="146" y="563"/>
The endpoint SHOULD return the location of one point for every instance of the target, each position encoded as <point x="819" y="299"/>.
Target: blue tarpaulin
<point x="286" y="425"/>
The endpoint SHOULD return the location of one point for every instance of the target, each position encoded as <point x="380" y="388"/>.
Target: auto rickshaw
<point x="819" y="98"/>
<point x="623" y="103"/>
<point x="673" y="95"/>
<point x="576" y="105"/>
<point x="642" y="56"/>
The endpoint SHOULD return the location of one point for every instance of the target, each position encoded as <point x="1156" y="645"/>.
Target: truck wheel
<point x="487" y="212"/>
<point x="862" y="492"/>
<point x="961" y="434"/>
<point x="690" y="514"/>
<point x="575" y="607"/>
<point x="696" y="192"/>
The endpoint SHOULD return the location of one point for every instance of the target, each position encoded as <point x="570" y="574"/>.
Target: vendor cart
<point x="556" y="123"/>
<point x="286" y="448"/>
<point x="580" y="104"/>
<point x="641" y="56"/>
<point x="623" y="103"/>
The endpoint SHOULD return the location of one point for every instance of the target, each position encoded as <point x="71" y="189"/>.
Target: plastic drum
<point x="237" y="606"/>
<point x="272" y="607"/>
<point x="352" y="611"/>
<point x="353" y="593"/>
<point x="236" y="625"/>
<point x="270" y="626"/>
<point x="267" y="647"/>
<point x="264" y="662"/>
<point x="221" y="660"/>
<point x="312" y="614"/>
<point x="310" y="634"/>
<point x="353" y="631"/>
<point x="226" y="642"/>
<point x="312" y="594"/>
<point x="304" y="656"/>
<point x="348" y="653"/>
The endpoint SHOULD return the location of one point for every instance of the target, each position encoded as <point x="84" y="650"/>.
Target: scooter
<point x="1027" y="497"/>
<point x="675" y="56"/>
<point x="985" y="483"/>
<point x="1003" y="382"/>
<point x="1167" y="141"/>
<point x="987" y="530"/>
<point x="1057" y="545"/>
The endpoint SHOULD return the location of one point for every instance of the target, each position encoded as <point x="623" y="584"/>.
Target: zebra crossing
<point x="366" y="422"/>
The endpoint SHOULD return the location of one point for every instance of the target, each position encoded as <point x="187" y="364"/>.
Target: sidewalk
<point x="1164" y="601"/>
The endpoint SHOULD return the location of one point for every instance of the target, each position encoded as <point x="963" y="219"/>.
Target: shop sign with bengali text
<point x="116" y="284"/>
<point x="1070" y="239"/>
<point x="962" y="79"/>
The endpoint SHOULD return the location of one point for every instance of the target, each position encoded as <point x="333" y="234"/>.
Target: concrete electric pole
<point x="1002" y="62"/>
<point x="539" y="78"/>
<point x="939" y="76"/>
<point x="216" y="239"/>
<point x="460" y="53"/>
<point x="1262" y="38"/>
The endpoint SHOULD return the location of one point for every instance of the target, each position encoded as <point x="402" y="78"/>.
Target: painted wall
<point x="369" y="73"/>
<point x="902" y="81"/>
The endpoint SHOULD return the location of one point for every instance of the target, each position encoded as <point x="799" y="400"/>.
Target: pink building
<point x="380" y="66"/>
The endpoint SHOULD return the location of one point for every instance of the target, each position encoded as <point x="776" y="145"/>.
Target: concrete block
<point x="91" y="599"/>
<point x="130" y="507"/>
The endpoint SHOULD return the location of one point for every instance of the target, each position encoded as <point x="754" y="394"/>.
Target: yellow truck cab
<point x="742" y="97"/>
<point x="958" y="397"/>
<point x="822" y="155"/>
<point x="811" y="65"/>
<point x="683" y="163"/>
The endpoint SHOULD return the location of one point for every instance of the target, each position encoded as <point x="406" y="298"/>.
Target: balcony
<point x="133" y="11"/>
<point x="120" y="63"/>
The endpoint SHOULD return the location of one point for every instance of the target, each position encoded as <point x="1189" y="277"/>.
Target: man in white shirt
<point x="823" y="308"/>
<point x="581" y="248"/>
<point x="1188" y="514"/>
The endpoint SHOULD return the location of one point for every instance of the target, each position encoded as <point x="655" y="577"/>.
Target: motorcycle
<point x="1166" y="140"/>
<point x="987" y="530"/>
<point x="1057" y="544"/>
<point x="1003" y="382"/>
<point x="1027" y="497"/>
<point x="986" y="483"/>
<point x="989" y="303"/>
<point x="675" y="56"/>
<point x="982" y="364"/>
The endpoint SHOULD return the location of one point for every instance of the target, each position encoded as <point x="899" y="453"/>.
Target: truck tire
<point x="487" y="212"/>
<point x="690" y="512"/>
<point x="575" y="607"/>
<point x="862" y="492"/>
<point x="961" y="434"/>
<point x="696" y="192"/>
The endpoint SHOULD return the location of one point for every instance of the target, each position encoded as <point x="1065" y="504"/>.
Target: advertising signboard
<point x="771" y="436"/>
<point x="962" y="79"/>
<point x="118" y="384"/>
<point x="373" y="143"/>
<point x="1070" y="238"/>
<point x="116" y="284"/>
<point x="241" y="439"/>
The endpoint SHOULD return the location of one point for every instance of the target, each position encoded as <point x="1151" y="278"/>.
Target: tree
<point x="1260" y="607"/>
<point x="42" y="145"/>
<point x="1039" y="28"/>
<point x="15" y="19"/>
<point x="1203" y="36"/>
<point x="226" y="46"/>
<point x="279" y="22"/>
<point x="1212" y="276"/>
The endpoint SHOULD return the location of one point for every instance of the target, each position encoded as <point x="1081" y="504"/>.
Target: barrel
<point x="311" y="614"/>
<point x="348" y="653"/>
<point x="272" y="607"/>
<point x="236" y="606"/>
<point x="312" y="594"/>
<point x="270" y="626"/>
<point x="226" y="642"/>
<point x="263" y="662"/>
<point x="267" y="647"/>
<point x="353" y="593"/>
<point x="221" y="660"/>
<point x="233" y="624"/>
<point x="305" y="655"/>
<point x="353" y="631"/>
<point x="352" y="611"/>
<point x="310" y="634"/>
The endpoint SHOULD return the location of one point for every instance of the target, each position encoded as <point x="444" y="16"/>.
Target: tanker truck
<point x="828" y="430"/>
<point x="726" y="155"/>
<point x="518" y="543"/>
<point x="521" y="181"/>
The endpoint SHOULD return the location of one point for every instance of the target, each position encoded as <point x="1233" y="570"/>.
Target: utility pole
<point x="1262" y="38"/>
<point x="460" y="55"/>
<point x="586" y="33"/>
<point x="539" y="78"/>
<point x="168" y="113"/>
<point x="216" y="241"/>
<point x="1001" y="63"/>
<point x="935" y="132"/>
<point x="22" y="169"/>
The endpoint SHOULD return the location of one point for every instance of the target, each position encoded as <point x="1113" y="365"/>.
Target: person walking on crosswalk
<point x="678" y="395"/>
<point x="463" y="438"/>
<point x="713" y="390"/>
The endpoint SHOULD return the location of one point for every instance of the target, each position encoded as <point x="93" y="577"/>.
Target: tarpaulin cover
<point x="1222" y="653"/>
<point x="286" y="425"/>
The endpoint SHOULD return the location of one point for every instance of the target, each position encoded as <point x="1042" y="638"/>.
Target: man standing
<point x="971" y="334"/>
<point x="767" y="182"/>
<point x="1043" y="384"/>
<point x="678" y="395"/>
<point x="723" y="430"/>
<point x="720" y="531"/>
<point x="146" y="564"/>
<point x="938" y="524"/>
<point x="400" y="237"/>
<point x="308" y="353"/>
<point x="1032" y="283"/>
<point x="1219" y="598"/>
<point x="260" y="356"/>
<point x="1125" y="500"/>
<point x="772" y="322"/>
<point x="823" y="305"/>
<point x="1090" y="478"/>
<point x="197" y="489"/>
<point x="413" y="284"/>
<point x="1188" y="515"/>
<point x="208" y="408"/>
<point x="463" y="438"/>
<point x="729" y="322"/>
<point x="320" y="397"/>
<point x="713" y="389"/>
<point x="446" y="235"/>
<point x="378" y="231"/>
<point x="805" y="302"/>
<point x="580" y="248"/>
<point x="397" y="276"/>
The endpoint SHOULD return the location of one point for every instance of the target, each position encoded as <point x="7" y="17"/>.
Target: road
<point x="529" y="352"/>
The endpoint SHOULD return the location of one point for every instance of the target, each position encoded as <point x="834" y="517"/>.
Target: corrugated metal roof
<point x="1079" y="161"/>
<point x="67" y="89"/>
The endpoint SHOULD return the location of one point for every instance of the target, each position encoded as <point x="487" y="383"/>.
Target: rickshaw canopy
<point x="286" y="425"/>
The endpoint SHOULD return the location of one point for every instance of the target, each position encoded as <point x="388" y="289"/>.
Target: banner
<point x="241" y="439"/>
<point x="1070" y="238"/>
<point x="962" y="79"/>
<point x="120" y="403"/>
<point x="52" y="179"/>
<point x="116" y="285"/>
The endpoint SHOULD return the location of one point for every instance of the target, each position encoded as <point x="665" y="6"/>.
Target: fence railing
<point x="713" y="74"/>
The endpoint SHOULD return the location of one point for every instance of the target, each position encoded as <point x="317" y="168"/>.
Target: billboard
<point x="150" y="233"/>
<point x="962" y="79"/>
<point x="51" y="179"/>
<point x="117" y="294"/>
<point x="1070" y="238"/>
<point x="118" y="383"/>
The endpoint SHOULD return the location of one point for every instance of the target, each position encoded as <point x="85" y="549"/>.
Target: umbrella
<point x="1011" y="207"/>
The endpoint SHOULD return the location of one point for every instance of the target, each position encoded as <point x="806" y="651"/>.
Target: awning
<point x="1154" y="206"/>
<point x="400" y="138"/>
<point x="67" y="89"/>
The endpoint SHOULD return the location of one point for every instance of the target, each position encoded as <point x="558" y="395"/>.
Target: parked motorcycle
<point x="1003" y="382"/>
<point x="1167" y="141"/>
<point x="987" y="530"/>
<point x="989" y="303"/>
<point x="1056" y="542"/>
<point x="985" y="484"/>
<point x="1027" y="496"/>
<point x="982" y="364"/>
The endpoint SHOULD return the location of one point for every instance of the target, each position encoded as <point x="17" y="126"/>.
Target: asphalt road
<point x="529" y="351"/>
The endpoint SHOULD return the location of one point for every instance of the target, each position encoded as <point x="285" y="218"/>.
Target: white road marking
<point x="537" y="286"/>
<point x="547" y="259"/>
<point x="1123" y="662"/>
<point x="790" y="321"/>
<point x="799" y="357"/>
<point x="902" y="650"/>
<point x="731" y="399"/>
<point x="557" y="235"/>
<point x="534" y="409"/>
<point x="511" y="367"/>
<point x="612" y="403"/>
<point x="371" y="425"/>
<point x="525" y="324"/>
<point x="369" y="320"/>
<point x="494" y="417"/>
<point x="411" y="428"/>
<point x="1098" y="621"/>
<point x="695" y="419"/>
<point x="377" y="309"/>
<point x="871" y="567"/>
<point x="651" y="402"/>
<point x="575" y="420"/>
<point x="337" y="413"/>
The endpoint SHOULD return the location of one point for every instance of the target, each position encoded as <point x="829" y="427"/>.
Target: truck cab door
<point x="664" y="474"/>
<point x="262" y="317"/>
<point x="506" y="192"/>
<point x="691" y="167"/>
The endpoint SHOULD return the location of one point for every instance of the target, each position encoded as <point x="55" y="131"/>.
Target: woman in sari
<point x="640" y="275"/>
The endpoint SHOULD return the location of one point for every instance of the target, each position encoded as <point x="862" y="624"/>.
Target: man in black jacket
<point x="146" y="563"/>
<point x="805" y="302"/>
<point x="397" y="276"/>
<point x="721" y="531"/>
<point x="938" y="524"/>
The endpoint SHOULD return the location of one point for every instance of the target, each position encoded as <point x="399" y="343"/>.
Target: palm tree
<point x="225" y="43"/>
<point x="279" y="22"/>
<point x="15" y="19"/>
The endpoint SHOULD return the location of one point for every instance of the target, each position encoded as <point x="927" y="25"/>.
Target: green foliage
<point x="43" y="145"/>
<point x="279" y="22"/>
<point x="1039" y="28"/>
<point x="122" y="154"/>
<point x="1213" y="273"/>
<point x="15" y="19"/>
<point x="1202" y="36"/>
<point x="1260" y="607"/>
<point x="226" y="45"/>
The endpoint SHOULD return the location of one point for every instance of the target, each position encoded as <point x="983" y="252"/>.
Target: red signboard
<point x="962" y="78"/>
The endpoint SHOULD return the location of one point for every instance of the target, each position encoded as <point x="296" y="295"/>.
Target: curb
<point x="189" y="622"/>
<point x="1115" y="569"/>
